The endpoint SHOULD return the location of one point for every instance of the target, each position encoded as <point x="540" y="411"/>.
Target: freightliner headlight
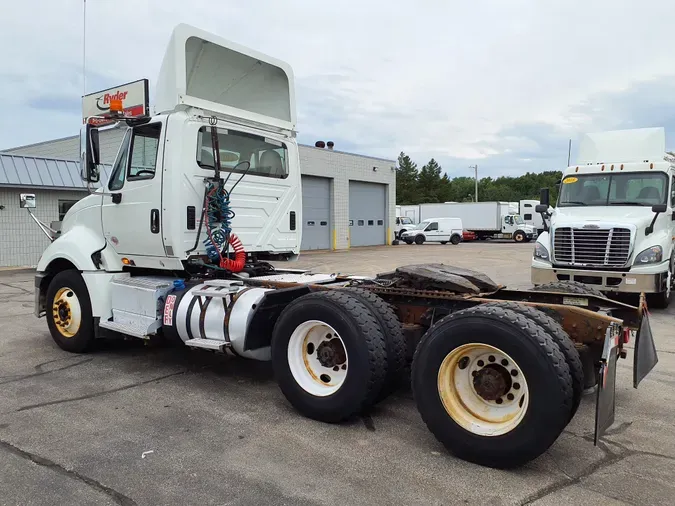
<point x="651" y="255"/>
<point x="540" y="251"/>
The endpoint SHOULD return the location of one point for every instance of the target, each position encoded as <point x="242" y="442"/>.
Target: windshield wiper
<point x="627" y="204"/>
<point x="573" y="203"/>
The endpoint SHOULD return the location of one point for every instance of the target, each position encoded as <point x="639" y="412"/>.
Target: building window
<point x="380" y="222"/>
<point x="371" y="223"/>
<point x="64" y="205"/>
<point x="360" y="223"/>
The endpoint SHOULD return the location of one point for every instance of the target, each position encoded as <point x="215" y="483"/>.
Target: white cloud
<point x="501" y="83"/>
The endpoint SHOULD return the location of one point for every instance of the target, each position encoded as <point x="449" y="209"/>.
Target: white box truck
<point x="613" y="226"/>
<point x="488" y="220"/>
<point x="175" y="244"/>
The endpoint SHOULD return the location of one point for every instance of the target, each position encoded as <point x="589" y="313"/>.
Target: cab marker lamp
<point x="649" y="256"/>
<point x="540" y="251"/>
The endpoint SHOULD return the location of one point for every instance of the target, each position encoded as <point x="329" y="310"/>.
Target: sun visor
<point x="207" y="72"/>
<point x="636" y="145"/>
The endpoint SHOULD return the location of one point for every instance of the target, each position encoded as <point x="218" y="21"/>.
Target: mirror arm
<point x="48" y="231"/>
<point x="650" y="228"/>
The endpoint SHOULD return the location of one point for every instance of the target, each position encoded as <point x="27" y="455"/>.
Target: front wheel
<point x="419" y="239"/>
<point x="492" y="386"/>
<point x="69" y="314"/>
<point x="519" y="236"/>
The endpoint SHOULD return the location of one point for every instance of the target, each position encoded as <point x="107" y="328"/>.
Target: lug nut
<point x="481" y="363"/>
<point x="516" y="386"/>
<point x="505" y="362"/>
<point x="514" y="372"/>
<point x="491" y="358"/>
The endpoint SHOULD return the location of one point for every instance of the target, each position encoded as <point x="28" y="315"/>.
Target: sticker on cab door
<point x="168" y="309"/>
<point x="571" y="179"/>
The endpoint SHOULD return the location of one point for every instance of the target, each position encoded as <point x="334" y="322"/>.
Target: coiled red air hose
<point x="236" y="265"/>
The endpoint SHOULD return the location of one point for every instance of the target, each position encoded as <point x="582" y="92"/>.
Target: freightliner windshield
<point x="623" y="189"/>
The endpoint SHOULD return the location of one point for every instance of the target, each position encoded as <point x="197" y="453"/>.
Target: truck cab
<point x="613" y="225"/>
<point x="403" y="223"/>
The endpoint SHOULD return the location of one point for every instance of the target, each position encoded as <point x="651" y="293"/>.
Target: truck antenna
<point x="569" y="152"/>
<point x="84" y="48"/>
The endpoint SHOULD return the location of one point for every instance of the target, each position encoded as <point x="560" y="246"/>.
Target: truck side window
<point x="118" y="170"/>
<point x="268" y="157"/>
<point x="528" y="216"/>
<point x="432" y="226"/>
<point x="144" y="148"/>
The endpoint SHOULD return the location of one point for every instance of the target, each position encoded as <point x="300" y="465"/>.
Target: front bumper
<point x="607" y="281"/>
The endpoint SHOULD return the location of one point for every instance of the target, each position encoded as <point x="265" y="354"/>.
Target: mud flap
<point x="644" y="357"/>
<point x="605" y="402"/>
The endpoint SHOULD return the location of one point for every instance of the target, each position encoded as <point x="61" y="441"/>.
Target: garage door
<point x="367" y="214"/>
<point x="315" y="213"/>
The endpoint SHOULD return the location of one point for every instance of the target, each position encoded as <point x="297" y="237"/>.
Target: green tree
<point x="429" y="182"/>
<point x="406" y="180"/>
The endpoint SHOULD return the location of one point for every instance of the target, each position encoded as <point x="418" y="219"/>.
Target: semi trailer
<point x="488" y="220"/>
<point x="178" y="244"/>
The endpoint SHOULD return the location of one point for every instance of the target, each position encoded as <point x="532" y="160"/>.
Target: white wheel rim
<point x="317" y="357"/>
<point x="67" y="312"/>
<point x="477" y="367"/>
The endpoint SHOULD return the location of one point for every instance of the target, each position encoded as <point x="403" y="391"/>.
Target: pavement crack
<point x="97" y="394"/>
<point x="42" y="373"/>
<point x="15" y="287"/>
<point x="619" y="429"/>
<point x="608" y="460"/>
<point x="118" y="497"/>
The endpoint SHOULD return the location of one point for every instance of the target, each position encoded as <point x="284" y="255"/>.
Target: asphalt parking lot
<point x="130" y="424"/>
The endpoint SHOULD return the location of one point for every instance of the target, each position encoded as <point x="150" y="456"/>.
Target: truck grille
<point x="592" y="247"/>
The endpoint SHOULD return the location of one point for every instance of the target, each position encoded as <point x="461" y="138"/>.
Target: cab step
<point x="208" y="344"/>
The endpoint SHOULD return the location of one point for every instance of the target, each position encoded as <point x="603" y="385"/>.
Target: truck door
<point x="132" y="203"/>
<point x="507" y="225"/>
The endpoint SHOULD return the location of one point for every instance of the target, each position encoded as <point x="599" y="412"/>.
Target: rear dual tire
<point x="464" y="383"/>
<point x="330" y="356"/>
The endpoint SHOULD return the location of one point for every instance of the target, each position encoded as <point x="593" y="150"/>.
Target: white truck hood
<point x="638" y="216"/>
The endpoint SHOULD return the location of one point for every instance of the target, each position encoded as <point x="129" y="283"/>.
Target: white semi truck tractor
<point x="613" y="227"/>
<point x="204" y="192"/>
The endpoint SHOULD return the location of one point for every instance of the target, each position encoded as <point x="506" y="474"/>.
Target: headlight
<point x="649" y="256"/>
<point x="540" y="251"/>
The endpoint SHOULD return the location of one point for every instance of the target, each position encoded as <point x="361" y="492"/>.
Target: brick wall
<point x="21" y="241"/>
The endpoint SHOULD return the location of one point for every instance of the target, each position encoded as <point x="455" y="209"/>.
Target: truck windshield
<point x="267" y="157"/>
<point x="405" y="221"/>
<point x="627" y="189"/>
<point x="518" y="219"/>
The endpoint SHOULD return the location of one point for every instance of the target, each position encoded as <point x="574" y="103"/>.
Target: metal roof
<point x="50" y="173"/>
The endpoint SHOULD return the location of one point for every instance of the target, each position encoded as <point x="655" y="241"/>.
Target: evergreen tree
<point x="406" y="180"/>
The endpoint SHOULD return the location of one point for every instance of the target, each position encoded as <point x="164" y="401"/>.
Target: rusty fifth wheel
<point x="492" y="386"/>
<point x="329" y="355"/>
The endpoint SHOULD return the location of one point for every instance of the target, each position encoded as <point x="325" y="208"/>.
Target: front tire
<point x="519" y="236"/>
<point x="419" y="239"/>
<point x="329" y="355"/>
<point x="69" y="314"/>
<point x="492" y="386"/>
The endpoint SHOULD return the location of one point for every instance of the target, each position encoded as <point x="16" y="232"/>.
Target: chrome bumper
<point x="607" y="281"/>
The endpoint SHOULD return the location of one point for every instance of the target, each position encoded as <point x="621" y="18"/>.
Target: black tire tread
<point x="568" y="287"/>
<point x="561" y="338"/>
<point x="395" y="343"/>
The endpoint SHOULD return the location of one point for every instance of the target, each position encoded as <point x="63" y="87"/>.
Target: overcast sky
<point x="503" y="84"/>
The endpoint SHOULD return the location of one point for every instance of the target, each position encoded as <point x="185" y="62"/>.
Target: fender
<point x="81" y="247"/>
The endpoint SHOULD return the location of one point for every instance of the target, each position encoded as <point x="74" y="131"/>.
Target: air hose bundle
<point x="218" y="225"/>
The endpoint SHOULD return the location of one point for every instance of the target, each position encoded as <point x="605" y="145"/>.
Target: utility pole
<point x="475" y="168"/>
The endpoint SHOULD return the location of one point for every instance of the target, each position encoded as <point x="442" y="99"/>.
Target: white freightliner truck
<point x="203" y="193"/>
<point x="613" y="227"/>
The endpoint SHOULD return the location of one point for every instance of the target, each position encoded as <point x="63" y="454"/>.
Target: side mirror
<point x="540" y="208"/>
<point x="544" y="197"/>
<point x="656" y="209"/>
<point x="27" y="201"/>
<point x="89" y="154"/>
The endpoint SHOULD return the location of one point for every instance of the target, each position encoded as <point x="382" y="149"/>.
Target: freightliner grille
<point x="592" y="247"/>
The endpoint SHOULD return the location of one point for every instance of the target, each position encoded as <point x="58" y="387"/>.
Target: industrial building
<point x="348" y="199"/>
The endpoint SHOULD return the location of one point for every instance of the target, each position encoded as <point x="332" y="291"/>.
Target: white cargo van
<point x="441" y="230"/>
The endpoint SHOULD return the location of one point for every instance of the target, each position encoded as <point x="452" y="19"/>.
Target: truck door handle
<point x="116" y="198"/>
<point x="154" y="221"/>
